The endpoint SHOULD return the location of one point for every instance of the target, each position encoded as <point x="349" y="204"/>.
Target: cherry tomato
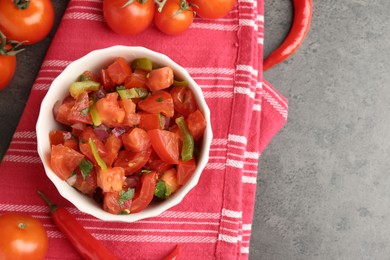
<point x="128" y="19"/>
<point x="174" y="18"/>
<point x="22" y="237"/>
<point x="7" y="68"/>
<point x="213" y="9"/>
<point x="31" y="24"/>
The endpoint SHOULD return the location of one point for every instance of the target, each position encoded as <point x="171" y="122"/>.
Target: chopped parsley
<point x="160" y="99"/>
<point x="85" y="111"/>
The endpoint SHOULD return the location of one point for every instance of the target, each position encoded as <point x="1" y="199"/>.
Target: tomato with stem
<point x="7" y="59"/>
<point x="128" y="17"/>
<point x="175" y="17"/>
<point x="25" y="20"/>
<point x="22" y="237"/>
<point x="213" y="9"/>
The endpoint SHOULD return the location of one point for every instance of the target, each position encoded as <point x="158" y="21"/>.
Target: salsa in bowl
<point x="124" y="133"/>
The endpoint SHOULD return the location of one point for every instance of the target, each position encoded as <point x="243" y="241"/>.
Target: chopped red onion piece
<point x="67" y="135"/>
<point x="72" y="179"/>
<point x="118" y="131"/>
<point x="102" y="132"/>
<point x="100" y="93"/>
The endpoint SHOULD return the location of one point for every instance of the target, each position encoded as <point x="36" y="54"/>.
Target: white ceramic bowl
<point x="59" y="89"/>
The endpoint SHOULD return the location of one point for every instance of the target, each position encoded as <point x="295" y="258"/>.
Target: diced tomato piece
<point x="108" y="84"/>
<point x="159" y="102"/>
<point x="72" y="143"/>
<point x="196" y="124"/>
<point x="160" y="78"/>
<point x="89" y="76"/>
<point x="137" y="79"/>
<point x="170" y="179"/>
<point x="136" y="140"/>
<point x="64" y="160"/>
<point x="80" y="111"/>
<point x="85" y="148"/>
<point x="144" y="196"/>
<point x="61" y="115"/>
<point x="113" y="144"/>
<point x="111" y="203"/>
<point x="110" y="113"/>
<point x="149" y="121"/>
<point x="111" y="179"/>
<point x="59" y="136"/>
<point x="156" y="164"/>
<point x="78" y="128"/>
<point x="87" y="185"/>
<point x="119" y="71"/>
<point x="183" y="100"/>
<point x="131" y="117"/>
<point x="132" y="162"/>
<point x="185" y="170"/>
<point x="165" y="144"/>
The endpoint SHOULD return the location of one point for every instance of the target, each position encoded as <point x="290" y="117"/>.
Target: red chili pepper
<point x="174" y="254"/>
<point x="302" y="18"/>
<point x="87" y="245"/>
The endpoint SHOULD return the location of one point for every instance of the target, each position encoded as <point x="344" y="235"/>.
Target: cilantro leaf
<point x="125" y="196"/>
<point x="162" y="190"/>
<point x="85" y="168"/>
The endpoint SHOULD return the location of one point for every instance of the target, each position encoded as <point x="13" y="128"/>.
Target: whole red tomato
<point x="175" y="17"/>
<point x="213" y="9"/>
<point x="29" y="20"/>
<point x="7" y="68"/>
<point x="128" y="17"/>
<point x="22" y="237"/>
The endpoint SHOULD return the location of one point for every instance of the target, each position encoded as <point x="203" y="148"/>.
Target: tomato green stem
<point x="160" y="4"/>
<point x="4" y="51"/>
<point x="52" y="206"/>
<point x="22" y="4"/>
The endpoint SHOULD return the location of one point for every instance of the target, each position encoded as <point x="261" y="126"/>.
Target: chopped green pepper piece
<point x="95" y="115"/>
<point x="133" y="93"/>
<point x="96" y="155"/>
<point x="187" y="150"/>
<point x="183" y="83"/>
<point x="79" y="87"/>
<point x="143" y="64"/>
<point x="162" y="190"/>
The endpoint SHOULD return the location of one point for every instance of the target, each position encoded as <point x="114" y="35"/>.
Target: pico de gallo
<point x="131" y="135"/>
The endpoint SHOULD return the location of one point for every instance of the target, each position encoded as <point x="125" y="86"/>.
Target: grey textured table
<point x="323" y="180"/>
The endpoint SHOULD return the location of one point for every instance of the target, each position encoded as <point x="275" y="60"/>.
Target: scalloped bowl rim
<point x="58" y="90"/>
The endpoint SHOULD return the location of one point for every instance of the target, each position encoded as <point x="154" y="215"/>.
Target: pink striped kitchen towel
<point x="214" y="220"/>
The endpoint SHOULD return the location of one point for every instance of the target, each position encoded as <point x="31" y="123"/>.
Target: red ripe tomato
<point x="113" y="145"/>
<point x="111" y="179"/>
<point x="184" y="100"/>
<point x="64" y="160"/>
<point x="119" y="71"/>
<point x="86" y="185"/>
<point x="30" y="24"/>
<point x="7" y="68"/>
<point x="159" y="79"/>
<point x="22" y="237"/>
<point x="112" y="203"/>
<point x="144" y="196"/>
<point x="213" y="9"/>
<point x="85" y="147"/>
<point x="136" y="140"/>
<point x="109" y="110"/>
<point x="131" y="161"/>
<point x="185" y="171"/>
<point x="131" y="19"/>
<point x="165" y="144"/>
<point x="196" y="124"/>
<point x="174" y="18"/>
<point x="79" y="112"/>
<point x="159" y="102"/>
